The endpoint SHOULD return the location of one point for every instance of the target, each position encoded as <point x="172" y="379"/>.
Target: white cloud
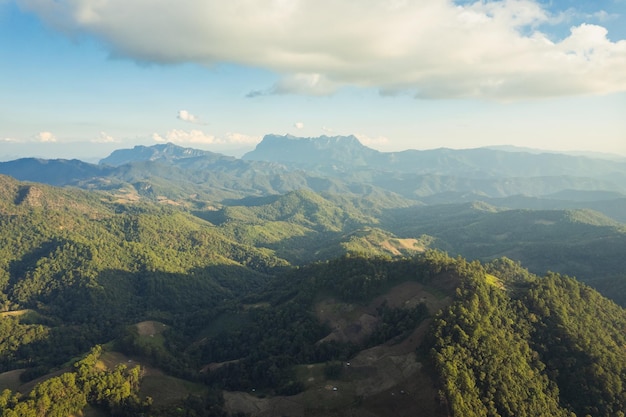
<point x="372" y="141"/>
<point x="241" y="139"/>
<point x="158" y="138"/>
<point x="186" y="136"/>
<point x="11" y="140"/>
<point x="105" y="138"/>
<point x="199" y="137"/>
<point x="298" y="125"/>
<point x="434" y="49"/>
<point x="45" y="137"/>
<point x="185" y="116"/>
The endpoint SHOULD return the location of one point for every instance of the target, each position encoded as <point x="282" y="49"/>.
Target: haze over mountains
<point x="348" y="153"/>
<point x="282" y="163"/>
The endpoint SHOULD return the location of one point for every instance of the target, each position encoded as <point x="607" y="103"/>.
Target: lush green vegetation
<point x="484" y="359"/>
<point x="579" y="243"/>
<point x="550" y="346"/>
<point x="112" y="390"/>
<point x="580" y="337"/>
<point x="235" y="288"/>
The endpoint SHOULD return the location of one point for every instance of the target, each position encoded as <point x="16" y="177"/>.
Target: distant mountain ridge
<point x="329" y="153"/>
<point x="52" y="171"/>
<point x="338" y="164"/>
<point x="162" y="152"/>
<point x="588" y="154"/>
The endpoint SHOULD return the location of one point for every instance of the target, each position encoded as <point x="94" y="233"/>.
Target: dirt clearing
<point x="150" y="328"/>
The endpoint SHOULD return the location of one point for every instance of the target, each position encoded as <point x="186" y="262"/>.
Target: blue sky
<point x="80" y="78"/>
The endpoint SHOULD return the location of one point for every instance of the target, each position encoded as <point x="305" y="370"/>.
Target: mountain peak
<point x="322" y="150"/>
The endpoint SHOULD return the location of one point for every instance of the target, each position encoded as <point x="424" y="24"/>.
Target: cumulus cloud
<point x="298" y="125"/>
<point x="45" y="137"/>
<point x="185" y="116"/>
<point x="433" y="49"/>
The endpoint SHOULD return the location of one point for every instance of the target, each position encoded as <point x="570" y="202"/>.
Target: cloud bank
<point x="430" y="48"/>
<point x="197" y="136"/>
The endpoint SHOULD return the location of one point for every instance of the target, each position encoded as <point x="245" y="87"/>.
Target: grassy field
<point x="162" y="388"/>
<point x="165" y="390"/>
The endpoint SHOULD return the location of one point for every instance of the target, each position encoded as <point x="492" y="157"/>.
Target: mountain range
<point x="345" y="153"/>
<point x="284" y="163"/>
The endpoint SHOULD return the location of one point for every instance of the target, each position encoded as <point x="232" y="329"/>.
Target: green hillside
<point x="580" y="243"/>
<point x="88" y="264"/>
<point x="549" y="347"/>
<point x="441" y="334"/>
<point x="304" y="304"/>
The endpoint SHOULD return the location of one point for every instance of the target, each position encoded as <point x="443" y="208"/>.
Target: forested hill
<point x="303" y="226"/>
<point x="57" y="240"/>
<point x="546" y="347"/>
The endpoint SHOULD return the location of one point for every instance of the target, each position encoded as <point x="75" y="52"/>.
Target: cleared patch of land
<point x="384" y="380"/>
<point x="11" y="380"/>
<point x="165" y="389"/>
<point x="150" y="328"/>
<point x="15" y="313"/>
<point x="400" y="246"/>
<point x="162" y="388"/>
<point x="354" y="323"/>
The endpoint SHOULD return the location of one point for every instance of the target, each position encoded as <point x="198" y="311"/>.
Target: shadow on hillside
<point x="80" y="315"/>
<point x="310" y="247"/>
<point x="218" y="217"/>
<point x="29" y="261"/>
<point x="252" y="201"/>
